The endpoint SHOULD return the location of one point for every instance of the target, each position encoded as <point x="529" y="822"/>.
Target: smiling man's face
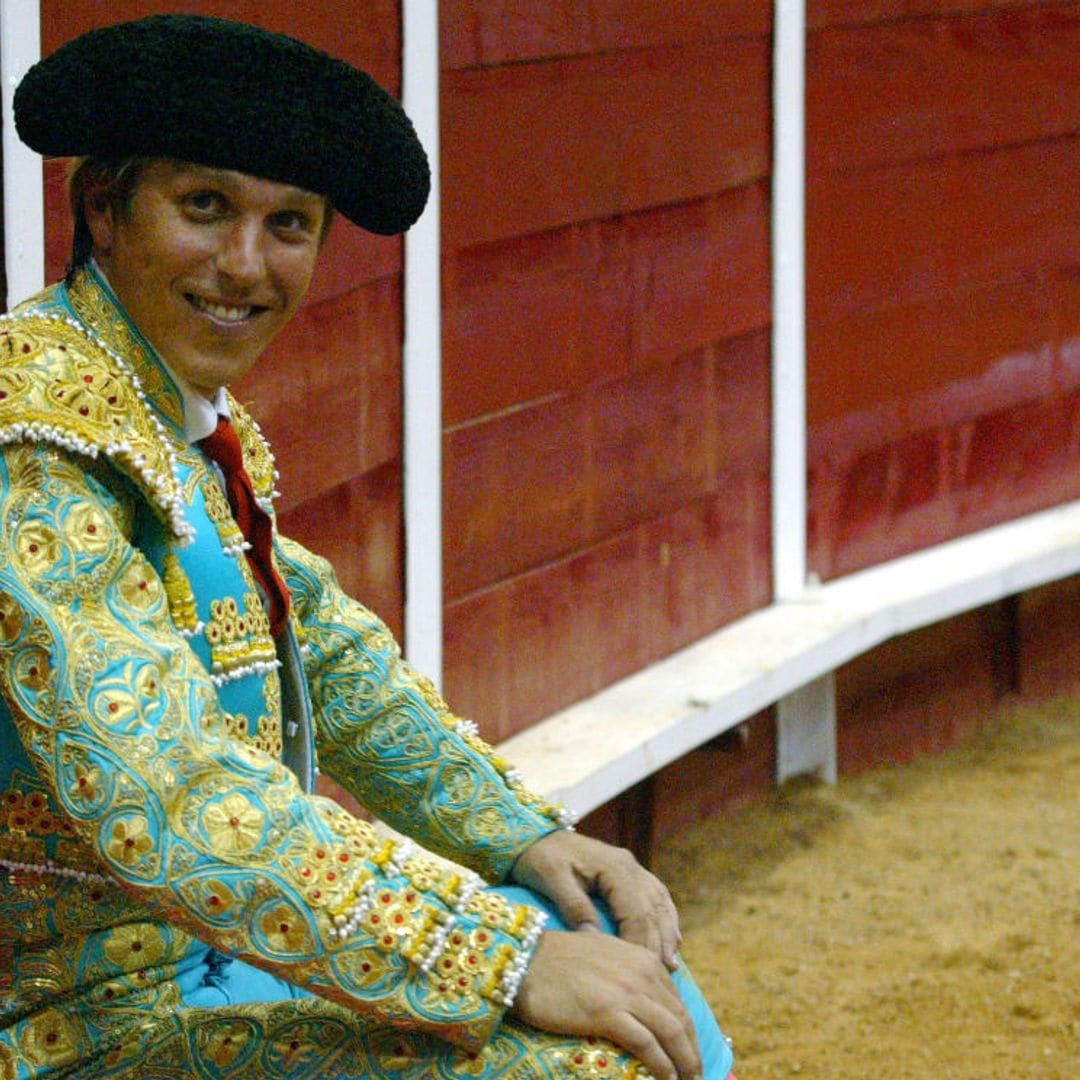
<point x="209" y="264"/>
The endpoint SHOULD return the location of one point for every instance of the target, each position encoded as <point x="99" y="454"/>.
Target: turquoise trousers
<point x="216" y="982"/>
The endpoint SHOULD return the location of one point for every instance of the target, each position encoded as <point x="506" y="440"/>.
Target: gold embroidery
<point x="233" y="825"/>
<point x="258" y="458"/>
<point x="264" y="734"/>
<point x="220" y="513"/>
<point x="96" y="309"/>
<point x="181" y="597"/>
<point x="240" y="641"/>
<point x="60" y="386"/>
<point x="52" y="1038"/>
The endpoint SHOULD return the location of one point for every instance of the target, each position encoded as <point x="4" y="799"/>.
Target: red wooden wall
<point x="605" y="170"/>
<point x="944" y="237"/>
<point x="606" y="313"/>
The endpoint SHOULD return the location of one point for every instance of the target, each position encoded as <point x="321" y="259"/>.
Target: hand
<point x="567" y="867"/>
<point x="596" y="984"/>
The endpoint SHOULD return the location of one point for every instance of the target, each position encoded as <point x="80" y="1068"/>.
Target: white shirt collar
<point x="200" y="412"/>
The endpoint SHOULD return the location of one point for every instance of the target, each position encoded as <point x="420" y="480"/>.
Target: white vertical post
<point x="806" y="731"/>
<point x="789" y="301"/>
<point x="422" y="359"/>
<point x="806" y="719"/>
<point x="24" y="204"/>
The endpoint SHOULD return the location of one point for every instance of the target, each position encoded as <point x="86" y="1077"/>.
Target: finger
<point x="656" y="929"/>
<point x="565" y="890"/>
<point x="633" y="1036"/>
<point x="674" y="1031"/>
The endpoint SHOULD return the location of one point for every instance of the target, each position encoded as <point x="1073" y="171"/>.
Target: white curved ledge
<point x="590" y="752"/>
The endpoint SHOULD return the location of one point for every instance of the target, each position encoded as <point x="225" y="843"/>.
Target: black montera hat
<point x="234" y="96"/>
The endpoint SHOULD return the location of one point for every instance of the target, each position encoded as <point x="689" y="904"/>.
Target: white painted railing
<point x="592" y="751"/>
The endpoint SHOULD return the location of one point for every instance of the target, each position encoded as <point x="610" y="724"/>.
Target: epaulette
<point x="62" y="385"/>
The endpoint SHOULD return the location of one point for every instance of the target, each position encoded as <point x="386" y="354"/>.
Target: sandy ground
<point x="916" y="921"/>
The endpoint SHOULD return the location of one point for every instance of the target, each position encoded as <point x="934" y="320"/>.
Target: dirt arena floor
<point x="920" y="921"/>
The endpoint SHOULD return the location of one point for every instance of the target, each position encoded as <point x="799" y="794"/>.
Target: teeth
<point x="219" y="311"/>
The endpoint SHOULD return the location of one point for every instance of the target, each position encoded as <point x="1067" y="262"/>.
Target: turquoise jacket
<point x="158" y="746"/>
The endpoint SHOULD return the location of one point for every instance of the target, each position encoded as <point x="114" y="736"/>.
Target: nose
<point x="240" y="258"/>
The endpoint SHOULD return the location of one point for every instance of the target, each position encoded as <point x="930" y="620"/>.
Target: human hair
<point x="113" y="184"/>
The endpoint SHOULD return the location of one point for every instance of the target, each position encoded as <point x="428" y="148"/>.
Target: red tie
<point x="223" y="447"/>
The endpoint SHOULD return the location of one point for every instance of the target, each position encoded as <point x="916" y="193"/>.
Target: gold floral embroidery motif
<point x="234" y="825"/>
<point x="264" y="734"/>
<point x="27" y="814"/>
<point x="61" y="386"/>
<point x="258" y="458"/>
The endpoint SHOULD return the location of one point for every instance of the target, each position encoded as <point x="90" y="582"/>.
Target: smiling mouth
<point x="222" y="312"/>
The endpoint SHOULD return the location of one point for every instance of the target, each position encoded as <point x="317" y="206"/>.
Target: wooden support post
<point x="806" y="731"/>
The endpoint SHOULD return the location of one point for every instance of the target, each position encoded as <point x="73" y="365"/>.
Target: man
<point x="176" y="901"/>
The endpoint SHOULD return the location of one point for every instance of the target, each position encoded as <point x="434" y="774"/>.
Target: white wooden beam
<point x="788" y="301"/>
<point x="422" y="356"/>
<point x="24" y="205"/>
<point x="594" y="750"/>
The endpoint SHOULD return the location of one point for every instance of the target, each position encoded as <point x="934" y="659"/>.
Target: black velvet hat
<point x="232" y="96"/>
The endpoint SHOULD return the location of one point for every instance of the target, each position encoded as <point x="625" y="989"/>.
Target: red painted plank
<point x="742" y="380"/>
<point x="651" y="443"/>
<point x="700" y="272"/>
<point x="351" y="258"/>
<point x="476" y="661"/>
<point x="918" y="693"/>
<point x="631" y="24"/>
<point x="555" y="312"/>
<point x="896" y="92"/>
<point x="574" y="629"/>
<point x="532" y="147"/>
<point x="707" y="563"/>
<point x="534" y="316"/>
<point x="357" y="526"/>
<point x="516" y="493"/>
<point x="511" y="31"/>
<point x="901" y="367"/>
<point x="928" y="227"/>
<point x="1050" y="639"/>
<point x="1010" y="450"/>
<point x="540" y="483"/>
<point x="853" y="12"/>
<point x="927" y="488"/>
<point x="342" y="357"/>
<point x="540" y="641"/>
<point x="57" y="219"/>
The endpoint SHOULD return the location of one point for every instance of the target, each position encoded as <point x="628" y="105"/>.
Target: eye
<point x="291" y="223"/>
<point x="204" y="205"/>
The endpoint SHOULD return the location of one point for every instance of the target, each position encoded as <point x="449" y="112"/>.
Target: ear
<point x="100" y="219"/>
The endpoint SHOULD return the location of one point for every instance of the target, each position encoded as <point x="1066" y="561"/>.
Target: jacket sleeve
<point x="123" y="725"/>
<point x="388" y="738"/>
